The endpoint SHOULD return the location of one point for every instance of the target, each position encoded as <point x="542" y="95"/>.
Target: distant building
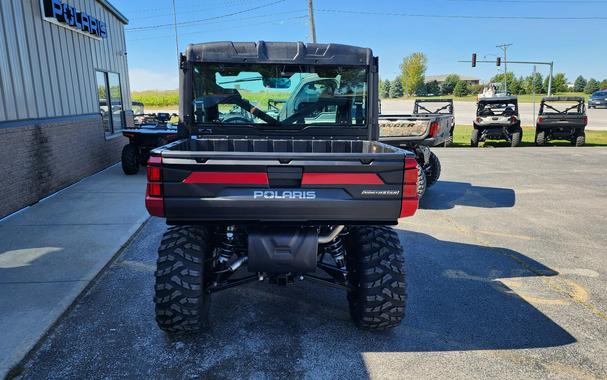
<point x="441" y="79"/>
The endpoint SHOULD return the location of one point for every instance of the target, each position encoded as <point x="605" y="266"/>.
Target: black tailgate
<point x="347" y="188"/>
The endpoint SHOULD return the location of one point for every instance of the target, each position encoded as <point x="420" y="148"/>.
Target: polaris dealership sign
<point x="68" y="16"/>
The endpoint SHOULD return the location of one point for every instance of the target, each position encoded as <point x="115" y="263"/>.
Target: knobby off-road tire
<point x="580" y="139"/>
<point x="435" y="170"/>
<point x="474" y="138"/>
<point x="182" y="304"/>
<point x="375" y="265"/>
<point x="421" y="181"/>
<point x="540" y="138"/>
<point x="130" y="159"/>
<point x="517" y="135"/>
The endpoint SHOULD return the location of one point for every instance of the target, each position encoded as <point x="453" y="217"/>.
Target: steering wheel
<point x="237" y="120"/>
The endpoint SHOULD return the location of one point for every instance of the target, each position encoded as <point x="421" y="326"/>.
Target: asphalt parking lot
<point x="506" y="279"/>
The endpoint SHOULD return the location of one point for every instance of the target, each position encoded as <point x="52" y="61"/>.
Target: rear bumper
<point x="496" y="131"/>
<point x="317" y="211"/>
<point x="564" y="131"/>
<point x="597" y="103"/>
<point x="409" y="142"/>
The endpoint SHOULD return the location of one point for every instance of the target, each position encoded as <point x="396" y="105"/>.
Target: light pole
<point x="533" y="92"/>
<point x="550" y="79"/>
<point x="550" y="64"/>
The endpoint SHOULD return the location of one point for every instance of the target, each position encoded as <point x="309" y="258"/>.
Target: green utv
<point x="279" y="177"/>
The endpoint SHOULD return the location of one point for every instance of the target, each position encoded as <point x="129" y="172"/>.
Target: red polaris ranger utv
<point x="279" y="177"/>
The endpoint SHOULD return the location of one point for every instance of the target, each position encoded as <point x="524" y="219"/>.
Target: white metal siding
<point x="47" y="70"/>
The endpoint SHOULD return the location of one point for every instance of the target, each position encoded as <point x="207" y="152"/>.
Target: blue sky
<point x="393" y="29"/>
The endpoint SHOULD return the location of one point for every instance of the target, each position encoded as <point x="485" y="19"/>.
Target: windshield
<point x="600" y="94"/>
<point x="497" y="109"/>
<point x="279" y="95"/>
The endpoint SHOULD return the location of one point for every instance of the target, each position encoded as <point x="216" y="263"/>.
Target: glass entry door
<point x="109" y="93"/>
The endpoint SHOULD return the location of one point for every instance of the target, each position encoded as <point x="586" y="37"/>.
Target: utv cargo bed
<point x="275" y="180"/>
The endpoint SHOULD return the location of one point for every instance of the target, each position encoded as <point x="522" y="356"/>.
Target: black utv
<point x="151" y="131"/>
<point x="497" y="118"/>
<point x="561" y="118"/>
<point x="294" y="189"/>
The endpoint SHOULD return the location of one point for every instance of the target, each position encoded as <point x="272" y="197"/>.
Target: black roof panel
<point x="279" y="52"/>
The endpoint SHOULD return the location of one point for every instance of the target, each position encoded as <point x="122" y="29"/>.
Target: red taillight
<point x="129" y="135"/>
<point x="433" y="129"/>
<point x="478" y="119"/>
<point x="585" y="120"/>
<point x="513" y="119"/>
<point x="540" y="120"/>
<point x="154" y="190"/>
<point x="153" y="197"/>
<point x="154" y="173"/>
<point x="409" y="200"/>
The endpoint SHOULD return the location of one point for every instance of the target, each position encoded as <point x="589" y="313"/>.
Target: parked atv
<point x="561" y="118"/>
<point x="497" y="118"/>
<point x="152" y="131"/>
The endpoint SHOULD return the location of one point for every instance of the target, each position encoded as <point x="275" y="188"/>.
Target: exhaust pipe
<point x="324" y="239"/>
<point x="237" y="264"/>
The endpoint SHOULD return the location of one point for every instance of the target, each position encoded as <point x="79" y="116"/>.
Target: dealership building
<point x="64" y="95"/>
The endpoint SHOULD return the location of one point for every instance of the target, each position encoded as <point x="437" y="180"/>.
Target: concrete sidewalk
<point x="50" y="252"/>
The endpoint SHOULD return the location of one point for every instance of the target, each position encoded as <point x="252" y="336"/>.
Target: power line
<point x="239" y="26"/>
<point x="159" y="26"/>
<point x="165" y="9"/>
<point x="235" y="19"/>
<point x="422" y="15"/>
<point x="224" y="4"/>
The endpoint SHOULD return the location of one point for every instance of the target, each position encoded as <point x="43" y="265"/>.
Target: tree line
<point x="412" y="81"/>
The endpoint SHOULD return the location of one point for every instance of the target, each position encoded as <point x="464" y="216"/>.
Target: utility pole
<point x="176" y="35"/>
<point x="505" y="47"/>
<point x="311" y="16"/>
<point x="550" y="79"/>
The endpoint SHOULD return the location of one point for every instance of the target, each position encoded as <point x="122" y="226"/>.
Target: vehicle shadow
<point x="460" y="298"/>
<point x="446" y="194"/>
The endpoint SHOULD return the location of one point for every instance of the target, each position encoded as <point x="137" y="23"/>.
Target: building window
<point x="110" y="101"/>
